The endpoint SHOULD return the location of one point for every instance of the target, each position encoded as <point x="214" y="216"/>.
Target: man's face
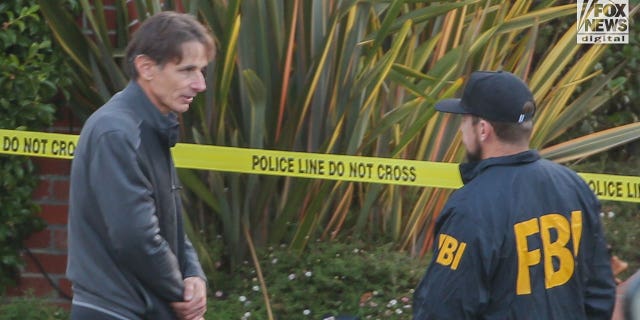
<point x="174" y="85"/>
<point x="471" y="138"/>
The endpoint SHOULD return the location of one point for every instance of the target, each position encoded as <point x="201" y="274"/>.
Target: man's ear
<point x="485" y="129"/>
<point x="145" y="66"/>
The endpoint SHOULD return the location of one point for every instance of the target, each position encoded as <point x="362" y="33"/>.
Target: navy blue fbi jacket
<point x="521" y="240"/>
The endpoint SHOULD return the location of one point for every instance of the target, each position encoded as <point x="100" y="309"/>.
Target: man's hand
<point x="195" y="300"/>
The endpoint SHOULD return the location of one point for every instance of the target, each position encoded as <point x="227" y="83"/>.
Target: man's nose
<point x="199" y="84"/>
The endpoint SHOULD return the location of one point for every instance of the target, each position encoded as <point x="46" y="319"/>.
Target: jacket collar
<point x="470" y="170"/>
<point x="166" y="126"/>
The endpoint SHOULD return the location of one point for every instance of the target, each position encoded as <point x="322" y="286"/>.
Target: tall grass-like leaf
<point x="593" y="143"/>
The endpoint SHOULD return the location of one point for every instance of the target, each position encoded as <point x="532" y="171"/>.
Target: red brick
<point x="61" y="190"/>
<point x="134" y="23"/>
<point x="64" y="117"/>
<point x="42" y="190"/>
<point x="65" y="121"/>
<point x="36" y="285"/>
<point x="52" y="263"/>
<point x="60" y="239"/>
<point x="64" y="305"/>
<point x="54" y="214"/>
<point x="110" y="18"/>
<point x="179" y="6"/>
<point x="39" y="240"/>
<point x="65" y="285"/>
<point x="113" y="38"/>
<point x="51" y="166"/>
<point x="66" y="130"/>
<point x="133" y="11"/>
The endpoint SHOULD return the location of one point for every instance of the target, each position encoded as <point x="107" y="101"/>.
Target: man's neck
<point x="502" y="149"/>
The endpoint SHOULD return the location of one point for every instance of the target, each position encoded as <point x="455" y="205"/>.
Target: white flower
<point x="392" y="303"/>
<point x="356" y="250"/>
<point x="246" y="315"/>
<point x="306" y="312"/>
<point x="256" y="288"/>
<point x="242" y="298"/>
<point x="399" y="311"/>
<point x="611" y="214"/>
<point x="292" y="276"/>
<point x="308" y="274"/>
<point x="274" y="261"/>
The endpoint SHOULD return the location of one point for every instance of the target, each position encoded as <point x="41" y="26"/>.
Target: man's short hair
<point x="510" y="132"/>
<point x="161" y="36"/>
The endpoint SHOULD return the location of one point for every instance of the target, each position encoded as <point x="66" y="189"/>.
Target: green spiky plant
<point x="346" y="77"/>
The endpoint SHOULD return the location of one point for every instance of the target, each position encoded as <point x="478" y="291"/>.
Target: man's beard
<point x="476" y="155"/>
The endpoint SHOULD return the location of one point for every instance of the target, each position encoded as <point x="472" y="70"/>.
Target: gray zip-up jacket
<point x="128" y="253"/>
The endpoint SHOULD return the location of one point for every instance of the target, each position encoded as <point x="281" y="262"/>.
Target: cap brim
<point x="451" y="106"/>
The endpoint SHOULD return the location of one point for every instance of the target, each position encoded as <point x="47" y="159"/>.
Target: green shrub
<point x="32" y="309"/>
<point x="328" y="278"/>
<point x="31" y="73"/>
<point x="620" y="220"/>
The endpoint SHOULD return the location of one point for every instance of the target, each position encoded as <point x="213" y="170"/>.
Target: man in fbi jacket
<point x="522" y="238"/>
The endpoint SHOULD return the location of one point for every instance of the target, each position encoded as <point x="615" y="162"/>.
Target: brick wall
<point x="46" y="258"/>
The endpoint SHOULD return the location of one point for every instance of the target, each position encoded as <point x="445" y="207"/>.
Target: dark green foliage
<point x="32" y="309"/>
<point x="621" y="220"/>
<point x="18" y="217"/>
<point x="624" y="107"/>
<point x="622" y="224"/>
<point x="30" y="74"/>
<point x="343" y="277"/>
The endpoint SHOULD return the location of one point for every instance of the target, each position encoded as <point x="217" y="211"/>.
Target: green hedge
<point x="31" y="76"/>
<point x="345" y="277"/>
<point x="31" y="308"/>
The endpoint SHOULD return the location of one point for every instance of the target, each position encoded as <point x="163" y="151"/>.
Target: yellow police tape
<point x="305" y="165"/>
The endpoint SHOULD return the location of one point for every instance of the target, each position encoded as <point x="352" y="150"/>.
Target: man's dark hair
<point x="512" y="132"/>
<point x="161" y="36"/>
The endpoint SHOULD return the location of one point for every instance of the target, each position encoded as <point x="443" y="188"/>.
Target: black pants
<point x="82" y="313"/>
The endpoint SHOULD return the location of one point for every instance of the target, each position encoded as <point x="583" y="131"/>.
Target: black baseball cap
<point x="495" y="96"/>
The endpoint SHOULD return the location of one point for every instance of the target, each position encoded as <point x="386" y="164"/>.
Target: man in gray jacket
<point x="129" y="257"/>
